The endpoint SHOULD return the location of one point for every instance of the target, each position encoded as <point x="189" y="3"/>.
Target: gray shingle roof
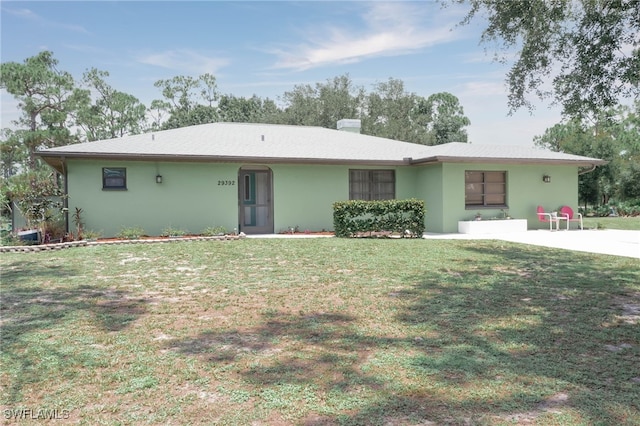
<point x="281" y="143"/>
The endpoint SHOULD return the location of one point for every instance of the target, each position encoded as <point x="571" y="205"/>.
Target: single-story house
<point x="263" y="178"/>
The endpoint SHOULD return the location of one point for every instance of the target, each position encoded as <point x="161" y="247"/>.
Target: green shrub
<point x="10" y="239"/>
<point x="398" y="216"/>
<point x="624" y="208"/>
<point x="213" y="231"/>
<point x="170" y="231"/>
<point x="131" y="233"/>
<point x="90" y="234"/>
<point x="628" y="208"/>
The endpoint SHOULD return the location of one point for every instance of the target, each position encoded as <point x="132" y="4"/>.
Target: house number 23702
<point x="226" y="182"/>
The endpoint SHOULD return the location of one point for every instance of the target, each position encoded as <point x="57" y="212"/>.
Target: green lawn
<point x="322" y="332"/>
<point x="627" y="223"/>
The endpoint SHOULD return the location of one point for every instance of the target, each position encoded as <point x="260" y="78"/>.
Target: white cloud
<point x="390" y="29"/>
<point x="28" y="14"/>
<point x="25" y="13"/>
<point x="185" y="60"/>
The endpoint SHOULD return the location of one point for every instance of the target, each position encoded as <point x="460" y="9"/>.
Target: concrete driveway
<point x="608" y="241"/>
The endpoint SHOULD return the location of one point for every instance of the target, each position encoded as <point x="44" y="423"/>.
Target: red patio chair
<point x="566" y="213"/>
<point x="547" y="217"/>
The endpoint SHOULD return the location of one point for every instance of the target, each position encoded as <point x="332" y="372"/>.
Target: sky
<point x="266" y="48"/>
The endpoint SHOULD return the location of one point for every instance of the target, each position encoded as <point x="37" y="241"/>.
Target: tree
<point x="269" y="112"/>
<point x="302" y="106"/>
<point x="48" y="99"/>
<point x="590" y="47"/>
<point x="12" y="153"/>
<point x="251" y="110"/>
<point x="630" y="182"/>
<point x="114" y="113"/>
<point x="157" y="111"/>
<point x="324" y="104"/>
<point x="563" y="137"/>
<point x="208" y="88"/>
<point x="574" y="137"/>
<point x="446" y="119"/>
<point x="198" y="114"/>
<point x="626" y="128"/>
<point x="339" y="98"/>
<point x="179" y="91"/>
<point x="393" y="113"/>
<point x="614" y="137"/>
<point x="183" y="96"/>
<point x="389" y="111"/>
<point x="38" y="195"/>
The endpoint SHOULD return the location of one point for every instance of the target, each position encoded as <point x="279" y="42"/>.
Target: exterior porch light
<point x="546" y="179"/>
<point x="158" y="178"/>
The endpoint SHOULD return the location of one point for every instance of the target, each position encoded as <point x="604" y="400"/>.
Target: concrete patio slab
<point x="610" y="241"/>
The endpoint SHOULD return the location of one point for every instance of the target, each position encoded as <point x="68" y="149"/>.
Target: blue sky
<point x="268" y="47"/>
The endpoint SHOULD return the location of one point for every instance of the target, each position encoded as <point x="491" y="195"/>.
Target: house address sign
<point x="226" y="182"/>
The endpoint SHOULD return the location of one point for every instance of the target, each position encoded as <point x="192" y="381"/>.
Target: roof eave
<point x="494" y="160"/>
<point x="57" y="162"/>
<point x="58" y="159"/>
<point x="55" y="159"/>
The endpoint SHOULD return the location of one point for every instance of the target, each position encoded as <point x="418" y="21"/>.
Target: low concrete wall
<point x="498" y="226"/>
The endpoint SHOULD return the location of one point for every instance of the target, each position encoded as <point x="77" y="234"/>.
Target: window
<point x="372" y="184"/>
<point x="485" y="189"/>
<point x="247" y="188"/>
<point x="114" y="178"/>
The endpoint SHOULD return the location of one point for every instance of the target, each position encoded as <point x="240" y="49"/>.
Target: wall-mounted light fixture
<point x="546" y="179"/>
<point x="158" y="178"/>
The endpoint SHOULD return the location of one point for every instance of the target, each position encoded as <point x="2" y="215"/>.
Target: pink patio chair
<point x="547" y="217"/>
<point x="566" y="213"/>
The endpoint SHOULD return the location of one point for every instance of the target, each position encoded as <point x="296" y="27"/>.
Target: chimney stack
<point x="349" y="125"/>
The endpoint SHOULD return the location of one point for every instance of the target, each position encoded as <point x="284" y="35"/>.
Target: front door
<point x="255" y="196"/>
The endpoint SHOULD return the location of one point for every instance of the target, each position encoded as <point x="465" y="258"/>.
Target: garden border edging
<point x="84" y="243"/>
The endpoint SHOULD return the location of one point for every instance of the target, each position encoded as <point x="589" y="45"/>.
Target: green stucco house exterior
<point x="262" y="178"/>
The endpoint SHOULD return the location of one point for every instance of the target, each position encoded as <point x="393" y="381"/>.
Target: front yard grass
<point x="631" y="223"/>
<point x="322" y="332"/>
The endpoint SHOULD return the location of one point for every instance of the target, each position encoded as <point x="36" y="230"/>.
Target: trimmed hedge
<point x="398" y="216"/>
